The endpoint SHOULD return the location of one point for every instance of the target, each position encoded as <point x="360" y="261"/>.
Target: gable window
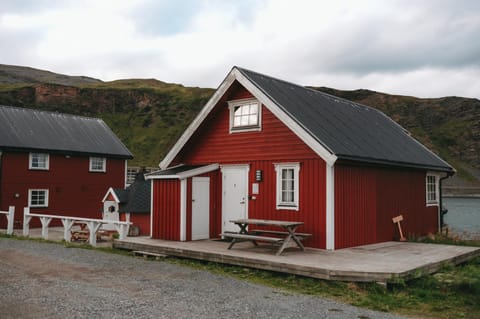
<point x="432" y="190"/>
<point x="98" y="164"/>
<point x="39" y="161"/>
<point x="38" y="197"/>
<point x="287" y="185"/>
<point x="245" y="115"/>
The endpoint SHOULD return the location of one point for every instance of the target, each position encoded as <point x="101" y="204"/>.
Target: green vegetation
<point x="453" y="292"/>
<point x="149" y="115"/>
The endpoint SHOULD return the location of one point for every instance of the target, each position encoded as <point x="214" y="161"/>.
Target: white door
<point x="110" y="212"/>
<point x="234" y="199"/>
<point x="200" y="208"/>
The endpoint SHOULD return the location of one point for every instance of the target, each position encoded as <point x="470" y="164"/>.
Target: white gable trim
<point x="186" y="174"/>
<point x="235" y="74"/>
<point x="111" y="191"/>
<point x="222" y="89"/>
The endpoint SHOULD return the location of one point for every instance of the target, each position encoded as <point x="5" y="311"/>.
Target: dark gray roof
<point x="349" y="130"/>
<point x="27" y="129"/>
<point x="136" y="197"/>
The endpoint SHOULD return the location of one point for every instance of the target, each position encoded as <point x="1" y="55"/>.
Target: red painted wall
<point x="213" y="143"/>
<point x="367" y="198"/>
<point x="166" y="209"/>
<point x="73" y="190"/>
<point x="273" y="144"/>
<point x="141" y="220"/>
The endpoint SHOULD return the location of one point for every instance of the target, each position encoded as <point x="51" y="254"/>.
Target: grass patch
<point x="452" y="292"/>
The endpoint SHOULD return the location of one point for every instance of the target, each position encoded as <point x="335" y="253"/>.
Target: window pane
<point x="245" y="115"/>
<point x="253" y="108"/>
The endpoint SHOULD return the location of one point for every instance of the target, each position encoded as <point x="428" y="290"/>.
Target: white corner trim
<point x="330" y="207"/>
<point x="151" y="208"/>
<point x="235" y="74"/>
<point x="183" y="209"/>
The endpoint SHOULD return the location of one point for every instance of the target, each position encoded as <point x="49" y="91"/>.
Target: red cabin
<point x="56" y="163"/>
<point x="264" y="148"/>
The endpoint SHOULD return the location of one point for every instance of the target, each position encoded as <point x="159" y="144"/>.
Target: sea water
<point x="463" y="217"/>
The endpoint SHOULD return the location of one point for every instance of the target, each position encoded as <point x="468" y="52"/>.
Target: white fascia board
<point x="111" y="191"/>
<point x="286" y="119"/>
<point x="189" y="173"/>
<point x="227" y="82"/>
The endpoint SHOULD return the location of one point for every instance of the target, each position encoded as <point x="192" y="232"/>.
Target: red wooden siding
<point x="367" y="198"/>
<point x="213" y="143"/>
<point x="110" y="197"/>
<point x="355" y="206"/>
<point x="73" y="190"/>
<point x="311" y="198"/>
<point x="142" y="221"/>
<point x="166" y="209"/>
<point x="403" y="192"/>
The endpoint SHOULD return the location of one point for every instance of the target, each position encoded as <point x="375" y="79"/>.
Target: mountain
<point x="12" y="74"/>
<point x="149" y="115"/>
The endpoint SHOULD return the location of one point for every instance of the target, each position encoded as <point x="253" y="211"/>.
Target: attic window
<point x="245" y="115"/>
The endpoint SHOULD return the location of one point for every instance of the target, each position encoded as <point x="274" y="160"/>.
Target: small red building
<point x="265" y="148"/>
<point x="56" y="163"/>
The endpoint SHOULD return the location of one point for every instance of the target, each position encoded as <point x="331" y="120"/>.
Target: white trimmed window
<point x="38" y="197"/>
<point x="287" y="185"/>
<point x="245" y="115"/>
<point x="39" y="161"/>
<point x="98" y="164"/>
<point x="432" y="190"/>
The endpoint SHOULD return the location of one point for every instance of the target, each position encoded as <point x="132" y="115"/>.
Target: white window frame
<point x="247" y="128"/>
<point x="30" y="191"/>
<point x="47" y="161"/>
<point x="428" y="190"/>
<point x="279" y="167"/>
<point x="96" y="170"/>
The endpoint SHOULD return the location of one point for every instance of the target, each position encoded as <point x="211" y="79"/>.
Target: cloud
<point x="426" y="48"/>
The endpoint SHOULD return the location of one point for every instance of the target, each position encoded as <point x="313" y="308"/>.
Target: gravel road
<point x="39" y="280"/>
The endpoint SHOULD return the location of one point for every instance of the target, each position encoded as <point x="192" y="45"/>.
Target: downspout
<point x="441" y="210"/>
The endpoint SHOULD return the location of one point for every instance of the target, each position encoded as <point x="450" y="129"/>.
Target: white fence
<point x="68" y="221"/>
<point x="10" y="216"/>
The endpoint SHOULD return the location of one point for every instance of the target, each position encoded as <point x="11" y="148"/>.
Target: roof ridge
<point x="28" y="109"/>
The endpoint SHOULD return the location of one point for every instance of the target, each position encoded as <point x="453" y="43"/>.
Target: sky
<point x="428" y="48"/>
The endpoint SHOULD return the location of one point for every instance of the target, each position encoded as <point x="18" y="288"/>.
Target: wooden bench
<point x="300" y="236"/>
<point x="236" y="238"/>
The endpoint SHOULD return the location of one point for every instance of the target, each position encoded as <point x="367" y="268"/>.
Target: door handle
<point x="242" y="202"/>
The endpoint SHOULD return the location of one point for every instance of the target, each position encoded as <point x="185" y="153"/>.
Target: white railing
<point x="68" y="221"/>
<point x="10" y="216"/>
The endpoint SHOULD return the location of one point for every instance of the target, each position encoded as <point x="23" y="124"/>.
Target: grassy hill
<point x="149" y="115"/>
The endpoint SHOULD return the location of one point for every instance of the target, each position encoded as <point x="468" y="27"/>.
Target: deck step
<point x="146" y="254"/>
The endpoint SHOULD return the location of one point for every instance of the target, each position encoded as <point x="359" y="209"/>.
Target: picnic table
<point x="281" y="238"/>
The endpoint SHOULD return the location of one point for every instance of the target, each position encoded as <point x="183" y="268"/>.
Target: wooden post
<point x="10" y="219"/>
<point x="26" y="221"/>
<point x="397" y="220"/>
<point x="67" y="226"/>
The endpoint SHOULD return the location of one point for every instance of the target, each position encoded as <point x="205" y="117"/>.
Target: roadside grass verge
<point x="452" y="292"/>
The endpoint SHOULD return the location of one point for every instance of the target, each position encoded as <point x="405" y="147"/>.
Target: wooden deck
<point x="370" y="263"/>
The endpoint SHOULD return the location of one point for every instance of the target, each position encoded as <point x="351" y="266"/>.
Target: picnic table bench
<point x="281" y="238"/>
